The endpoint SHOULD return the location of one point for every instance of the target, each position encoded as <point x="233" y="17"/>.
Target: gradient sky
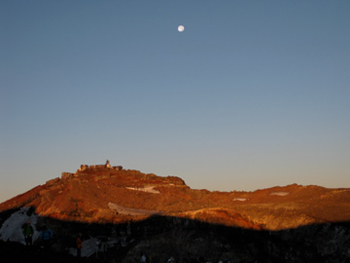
<point x="252" y="94"/>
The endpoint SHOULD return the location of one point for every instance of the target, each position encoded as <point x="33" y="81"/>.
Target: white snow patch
<point x="92" y="246"/>
<point x="241" y="199"/>
<point x="147" y="189"/>
<point x="12" y="228"/>
<point x="280" y="193"/>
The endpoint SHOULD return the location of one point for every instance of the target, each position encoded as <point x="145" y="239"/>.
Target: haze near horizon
<point x="250" y="95"/>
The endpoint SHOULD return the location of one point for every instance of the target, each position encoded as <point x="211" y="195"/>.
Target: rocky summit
<point x="127" y="216"/>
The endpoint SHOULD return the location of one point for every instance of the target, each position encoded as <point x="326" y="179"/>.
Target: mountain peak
<point x="105" y="193"/>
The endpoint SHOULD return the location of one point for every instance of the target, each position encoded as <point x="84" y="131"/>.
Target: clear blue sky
<point x="252" y="94"/>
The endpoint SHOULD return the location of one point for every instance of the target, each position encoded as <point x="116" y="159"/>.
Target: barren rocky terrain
<point x="163" y="216"/>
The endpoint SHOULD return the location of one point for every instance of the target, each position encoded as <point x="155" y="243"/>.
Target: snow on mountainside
<point x="88" y="195"/>
<point x="11" y="230"/>
<point x="131" y="213"/>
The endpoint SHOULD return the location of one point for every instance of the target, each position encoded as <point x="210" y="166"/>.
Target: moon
<point x="180" y="28"/>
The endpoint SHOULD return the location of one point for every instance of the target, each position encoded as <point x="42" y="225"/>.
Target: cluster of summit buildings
<point x="84" y="167"/>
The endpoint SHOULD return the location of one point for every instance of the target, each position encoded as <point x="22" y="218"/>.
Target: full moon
<point x="181" y="28"/>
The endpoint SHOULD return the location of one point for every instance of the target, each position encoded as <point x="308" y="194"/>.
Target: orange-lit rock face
<point x="85" y="197"/>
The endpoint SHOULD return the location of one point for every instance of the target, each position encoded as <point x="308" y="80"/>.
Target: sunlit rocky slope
<point x="133" y="213"/>
<point x="102" y="193"/>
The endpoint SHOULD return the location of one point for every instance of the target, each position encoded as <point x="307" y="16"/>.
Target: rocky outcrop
<point x="66" y="175"/>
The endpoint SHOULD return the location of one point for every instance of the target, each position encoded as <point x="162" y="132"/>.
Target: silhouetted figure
<point x="79" y="244"/>
<point x="28" y="232"/>
<point x="45" y="237"/>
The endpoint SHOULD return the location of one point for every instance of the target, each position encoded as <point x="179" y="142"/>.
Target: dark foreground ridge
<point x="16" y="252"/>
<point x="161" y="237"/>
